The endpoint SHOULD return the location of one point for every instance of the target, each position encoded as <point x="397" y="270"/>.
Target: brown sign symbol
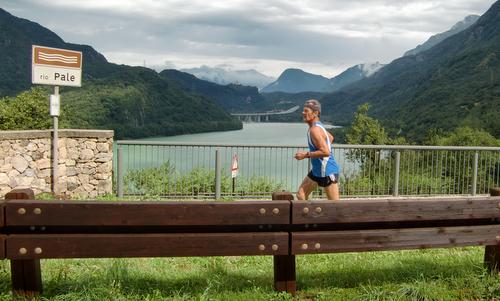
<point x="57" y="57"/>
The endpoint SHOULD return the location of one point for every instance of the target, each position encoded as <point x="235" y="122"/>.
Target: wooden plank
<point x="145" y="245"/>
<point x="391" y="210"/>
<point x="2" y="215"/>
<point x="26" y="278"/>
<point x="492" y="253"/>
<point x="20" y="194"/>
<point x="393" y="239"/>
<point x="284" y="274"/>
<point x="65" y="213"/>
<point x="2" y="246"/>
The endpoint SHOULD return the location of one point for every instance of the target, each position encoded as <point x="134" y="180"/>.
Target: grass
<point x="436" y="274"/>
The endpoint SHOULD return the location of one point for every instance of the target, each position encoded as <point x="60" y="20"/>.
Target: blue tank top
<point x="322" y="167"/>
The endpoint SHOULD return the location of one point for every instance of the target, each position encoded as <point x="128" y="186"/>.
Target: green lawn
<point x="437" y="274"/>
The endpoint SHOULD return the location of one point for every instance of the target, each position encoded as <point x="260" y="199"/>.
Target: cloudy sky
<point x="319" y="36"/>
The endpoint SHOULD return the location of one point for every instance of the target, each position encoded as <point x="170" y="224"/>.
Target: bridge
<point x="258" y="117"/>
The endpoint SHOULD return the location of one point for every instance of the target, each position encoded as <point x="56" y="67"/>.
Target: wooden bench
<point x="84" y="229"/>
<point x="32" y="230"/>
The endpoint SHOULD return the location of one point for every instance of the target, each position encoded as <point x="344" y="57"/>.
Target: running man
<point x="325" y="171"/>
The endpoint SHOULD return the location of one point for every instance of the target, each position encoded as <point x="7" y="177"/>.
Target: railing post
<point x="474" y="175"/>
<point x="25" y="274"/>
<point x="119" y="171"/>
<point x="284" y="265"/>
<point x="217" y="174"/>
<point x="492" y="253"/>
<point x="395" y="191"/>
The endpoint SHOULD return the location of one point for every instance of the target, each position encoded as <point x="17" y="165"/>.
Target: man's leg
<point x="306" y="188"/>
<point x="332" y="192"/>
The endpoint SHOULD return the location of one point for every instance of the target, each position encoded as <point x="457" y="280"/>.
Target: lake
<point x="266" y="133"/>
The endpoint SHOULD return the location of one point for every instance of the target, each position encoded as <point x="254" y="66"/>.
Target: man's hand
<point x="301" y="155"/>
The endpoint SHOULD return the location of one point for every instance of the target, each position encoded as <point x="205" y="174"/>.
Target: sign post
<point x="57" y="67"/>
<point x="234" y="170"/>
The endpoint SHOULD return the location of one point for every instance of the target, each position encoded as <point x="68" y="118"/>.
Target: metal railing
<point x="192" y="170"/>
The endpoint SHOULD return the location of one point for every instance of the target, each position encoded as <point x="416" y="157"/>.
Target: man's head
<point x="314" y="105"/>
<point x="311" y="111"/>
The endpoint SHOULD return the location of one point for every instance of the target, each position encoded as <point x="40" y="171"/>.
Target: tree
<point x="27" y="111"/>
<point x="466" y="136"/>
<point x="366" y="130"/>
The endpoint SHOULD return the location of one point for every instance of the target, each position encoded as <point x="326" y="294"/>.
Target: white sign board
<point x="58" y="67"/>
<point x="234" y="166"/>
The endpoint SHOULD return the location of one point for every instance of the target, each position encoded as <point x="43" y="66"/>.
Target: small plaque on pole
<point x="55" y="101"/>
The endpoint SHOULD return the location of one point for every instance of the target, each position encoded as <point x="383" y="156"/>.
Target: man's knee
<point x="301" y="196"/>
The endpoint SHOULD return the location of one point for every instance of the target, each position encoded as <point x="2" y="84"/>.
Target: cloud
<point x="268" y="35"/>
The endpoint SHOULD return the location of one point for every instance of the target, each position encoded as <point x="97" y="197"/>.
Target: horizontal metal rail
<point x="173" y="169"/>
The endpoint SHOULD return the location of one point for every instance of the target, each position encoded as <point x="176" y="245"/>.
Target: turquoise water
<point x="252" y="133"/>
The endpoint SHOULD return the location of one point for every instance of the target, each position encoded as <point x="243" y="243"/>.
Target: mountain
<point x="436" y="39"/>
<point x="455" y="83"/>
<point x="133" y="101"/>
<point x="225" y="77"/>
<point x="232" y="97"/>
<point x="296" y="81"/>
<point x="353" y="74"/>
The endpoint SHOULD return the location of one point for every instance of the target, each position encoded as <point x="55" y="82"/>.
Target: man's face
<point x="308" y="114"/>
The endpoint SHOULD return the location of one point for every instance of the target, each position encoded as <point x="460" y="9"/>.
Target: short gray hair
<point x="313" y="104"/>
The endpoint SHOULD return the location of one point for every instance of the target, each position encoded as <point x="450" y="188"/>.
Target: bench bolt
<point x="304" y="246"/>
<point x="276" y="211"/>
<point x="497" y="238"/>
<point x="21" y="211"/>
<point x="38" y="250"/>
<point x="262" y="247"/>
<point x="262" y="211"/>
<point x="318" y="209"/>
<point x="317" y="246"/>
<point x="23" y="251"/>
<point x="274" y="247"/>
<point x="37" y="211"/>
<point x="305" y="210"/>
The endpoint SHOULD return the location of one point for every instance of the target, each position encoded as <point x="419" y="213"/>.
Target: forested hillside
<point x="133" y="101"/>
<point x="455" y="83"/>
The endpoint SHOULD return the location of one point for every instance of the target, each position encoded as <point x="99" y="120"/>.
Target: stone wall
<point x="85" y="161"/>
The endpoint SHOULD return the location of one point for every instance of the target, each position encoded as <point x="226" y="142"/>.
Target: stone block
<point x="105" y="186"/>
<point x="6" y="168"/>
<point x="103" y="147"/>
<point x="24" y="182"/>
<point x="105" y="167"/>
<point x="71" y="142"/>
<point x="19" y="163"/>
<point x="43" y="163"/>
<point x="90" y="145"/>
<point x="31" y="147"/>
<point x="104" y="157"/>
<point x="4" y="179"/>
<point x="71" y="171"/>
<point x="86" y="154"/>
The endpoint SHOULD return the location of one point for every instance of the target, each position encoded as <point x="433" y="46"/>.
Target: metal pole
<point x="55" y="153"/>
<point x="395" y="191"/>
<point x="474" y="176"/>
<point x="119" y="171"/>
<point x="217" y="174"/>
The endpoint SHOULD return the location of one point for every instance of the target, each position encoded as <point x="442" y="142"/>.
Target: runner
<point x="325" y="171"/>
